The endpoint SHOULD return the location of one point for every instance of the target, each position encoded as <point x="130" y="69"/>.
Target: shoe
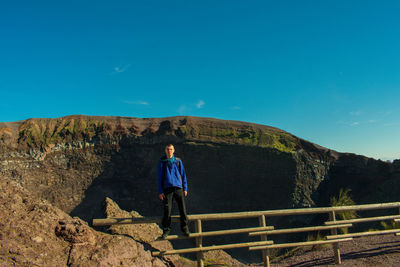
<point x="164" y="235"/>
<point x="186" y="232"/>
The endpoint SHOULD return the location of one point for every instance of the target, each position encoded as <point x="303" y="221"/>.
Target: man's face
<point x="169" y="151"/>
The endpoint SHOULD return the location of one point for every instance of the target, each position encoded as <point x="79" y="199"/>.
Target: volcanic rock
<point x="34" y="233"/>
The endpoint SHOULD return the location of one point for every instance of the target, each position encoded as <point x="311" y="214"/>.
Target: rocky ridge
<point x="46" y="154"/>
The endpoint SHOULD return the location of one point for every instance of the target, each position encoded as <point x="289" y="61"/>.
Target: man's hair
<point x="169" y="145"/>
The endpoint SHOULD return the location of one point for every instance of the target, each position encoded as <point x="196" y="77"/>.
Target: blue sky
<point x="326" y="71"/>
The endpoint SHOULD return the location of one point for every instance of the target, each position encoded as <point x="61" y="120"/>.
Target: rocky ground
<point x="35" y="233"/>
<point x="365" y="251"/>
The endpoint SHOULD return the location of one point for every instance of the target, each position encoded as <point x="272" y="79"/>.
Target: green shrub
<point x="391" y="225"/>
<point x="344" y="199"/>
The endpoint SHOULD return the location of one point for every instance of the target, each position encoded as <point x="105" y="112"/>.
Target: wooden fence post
<point x="199" y="243"/>
<point x="335" y="246"/>
<point x="265" y="252"/>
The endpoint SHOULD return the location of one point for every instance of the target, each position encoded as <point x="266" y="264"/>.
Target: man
<point x="172" y="183"/>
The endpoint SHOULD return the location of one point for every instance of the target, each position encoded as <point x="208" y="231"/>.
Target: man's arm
<point x="183" y="176"/>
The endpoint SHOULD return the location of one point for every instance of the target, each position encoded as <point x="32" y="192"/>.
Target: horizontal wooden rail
<point x="299" y="244"/>
<point x="217" y="247"/>
<point x="396" y="220"/>
<point x="116" y="221"/>
<point x="299" y="230"/>
<point x="284" y="212"/>
<point x="221" y="232"/>
<point x="370" y="219"/>
<point x="381" y="232"/>
<point x="247" y="214"/>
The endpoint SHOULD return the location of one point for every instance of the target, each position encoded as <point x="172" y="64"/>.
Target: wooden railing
<point x="264" y="231"/>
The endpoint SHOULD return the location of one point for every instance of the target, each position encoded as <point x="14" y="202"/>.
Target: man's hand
<point x="185" y="193"/>
<point x="161" y="196"/>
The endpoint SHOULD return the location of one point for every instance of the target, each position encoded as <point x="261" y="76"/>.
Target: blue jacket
<point x="171" y="175"/>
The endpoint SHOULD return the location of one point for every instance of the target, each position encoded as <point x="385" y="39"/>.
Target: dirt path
<point x="365" y="251"/>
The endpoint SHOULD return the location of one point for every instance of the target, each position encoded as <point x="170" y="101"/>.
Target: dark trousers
<point x="177" y="194"/>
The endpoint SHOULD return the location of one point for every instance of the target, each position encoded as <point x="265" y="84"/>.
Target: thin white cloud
<point x="120" y="69"/>
<point x="236" y="108"/>
<point x="354" y="123"/>
<point x="200" y="104"/>
<point x="185" y="109"/>
<point x="391" y="124"/>
<point x="372" y="121"/>
<point x="144" y="103"/>
<point x="356" y="113"/>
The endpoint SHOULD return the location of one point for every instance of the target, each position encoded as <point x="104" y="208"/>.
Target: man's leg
<point x="180" y="199"/>
<point x="166" y="221"/>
